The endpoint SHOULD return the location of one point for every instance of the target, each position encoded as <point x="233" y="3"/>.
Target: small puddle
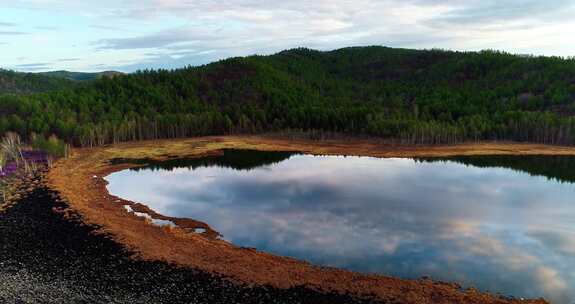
<point x="157" y="222"/>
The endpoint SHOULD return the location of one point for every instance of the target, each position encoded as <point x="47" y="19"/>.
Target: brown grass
<point x="80" y="182"/>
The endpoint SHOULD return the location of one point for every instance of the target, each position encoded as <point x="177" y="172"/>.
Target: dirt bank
<point x="79" y="180"/>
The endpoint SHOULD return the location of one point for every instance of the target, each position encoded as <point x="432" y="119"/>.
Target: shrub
<point x="2" y="160"/>
<point x="53" y="146"/>
<point x="11" y="147"/>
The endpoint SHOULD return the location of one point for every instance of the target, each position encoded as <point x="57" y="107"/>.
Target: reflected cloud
<point x="494" y="228"/>
<point x="563" y="242"/>
<point x="550" y="280"/>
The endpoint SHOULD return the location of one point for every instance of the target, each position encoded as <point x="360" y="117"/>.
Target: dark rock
<point x="45" y="258"/>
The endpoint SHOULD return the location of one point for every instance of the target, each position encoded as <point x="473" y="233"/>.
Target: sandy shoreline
<point x="79" y="181"/>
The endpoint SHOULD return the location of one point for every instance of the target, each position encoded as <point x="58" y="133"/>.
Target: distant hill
<point x="15" y="83"/>
<point x="19" y="83"/>
<point x="79" y="76"/>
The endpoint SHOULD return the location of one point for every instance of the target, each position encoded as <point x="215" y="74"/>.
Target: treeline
<point x="411" y="96"/>
<point x="79" y="76"/>
<point x="230" y="158"/>
<point x="557" y="168"/>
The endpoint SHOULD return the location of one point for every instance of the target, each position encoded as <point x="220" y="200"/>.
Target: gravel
<point x="48" y="259"/>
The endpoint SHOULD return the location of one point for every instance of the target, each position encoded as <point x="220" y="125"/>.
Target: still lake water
<point x="502" y="224"/>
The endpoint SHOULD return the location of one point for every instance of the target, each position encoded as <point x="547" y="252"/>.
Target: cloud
<point x="68" y="59"/>
<point x="7" y="24"/>
<point x="11" y="33"/>
<point x="29" y="65"/>
<point x="162" y="39"/>
<point x="263" y="26"/>
<point x="247" y="27"/>
<point x="105" y="27"/>
<point x="488" y="12"/>
<point x="32" y="67"/>
<point x="184" y="32"/>
<point x="47" y="28"/>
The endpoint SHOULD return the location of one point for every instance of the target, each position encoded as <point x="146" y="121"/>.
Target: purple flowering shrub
<point x="13" y="158"/>
<point x="15" y="161"/>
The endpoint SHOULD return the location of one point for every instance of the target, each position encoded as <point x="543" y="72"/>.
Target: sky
<point x="127" y="35"/>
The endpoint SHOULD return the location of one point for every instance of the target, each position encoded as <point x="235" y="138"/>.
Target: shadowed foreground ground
<point x="45" y="258"/>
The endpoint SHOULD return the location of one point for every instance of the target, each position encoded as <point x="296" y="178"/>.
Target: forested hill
<point x="408" y="95"/>
<point x="18" y="83"/>
<point x="79" y="76"/>
<point x="26" y="83"/>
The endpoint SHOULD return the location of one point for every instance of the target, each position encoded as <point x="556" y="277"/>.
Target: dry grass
<point x="79" y="181"/>
<point x="189" y="147"/>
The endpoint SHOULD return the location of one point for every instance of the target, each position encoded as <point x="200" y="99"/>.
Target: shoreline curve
<point x="80" y="182"/>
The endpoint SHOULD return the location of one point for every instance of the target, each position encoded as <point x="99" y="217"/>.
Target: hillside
<point x="18" y="83"/>
<point x="79" y="76"/>
<point x="26" y="83"/>
<point x="411" y="96"/>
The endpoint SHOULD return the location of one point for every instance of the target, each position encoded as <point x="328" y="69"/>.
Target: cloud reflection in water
<point x="496" y="229"/>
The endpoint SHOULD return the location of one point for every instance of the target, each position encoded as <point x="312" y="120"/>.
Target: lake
<point x="501" y="224"/>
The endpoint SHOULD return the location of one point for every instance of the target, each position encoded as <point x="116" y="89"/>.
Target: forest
<point x="405" y="96"/>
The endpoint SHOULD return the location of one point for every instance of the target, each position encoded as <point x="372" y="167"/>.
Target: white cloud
<point x="244" y="27"/>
